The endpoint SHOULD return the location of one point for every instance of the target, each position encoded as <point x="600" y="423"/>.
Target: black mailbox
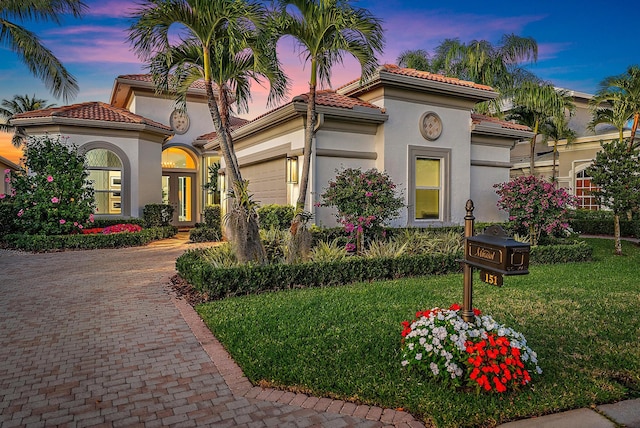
<point x="494" y="251"/>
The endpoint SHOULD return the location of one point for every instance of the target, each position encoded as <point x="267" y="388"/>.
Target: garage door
<point x="267" y="181"/>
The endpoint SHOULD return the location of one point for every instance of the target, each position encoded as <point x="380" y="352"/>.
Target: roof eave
<point x="494" y="130"/>
<point x="89" y="123"/>
<point x="382" y="77"/>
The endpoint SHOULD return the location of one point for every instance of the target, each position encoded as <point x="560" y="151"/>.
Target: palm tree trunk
<point x="308" y="141"/>
<point x="634" y="128"/>
<point x="532" y="151"/>
<point x="616" y="234"/>
<point x="555" y="157"/>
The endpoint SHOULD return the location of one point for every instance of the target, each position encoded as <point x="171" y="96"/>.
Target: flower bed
<point x="485" y="355"/>
<point x="116" y="228"/>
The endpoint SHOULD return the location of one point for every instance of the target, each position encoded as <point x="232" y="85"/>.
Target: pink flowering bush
<point x="364" y="200"/>
<point x="53" y="195"/>
<point x="535" y="204"/>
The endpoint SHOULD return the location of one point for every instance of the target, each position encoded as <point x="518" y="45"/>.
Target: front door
<point x="178" y="190"/>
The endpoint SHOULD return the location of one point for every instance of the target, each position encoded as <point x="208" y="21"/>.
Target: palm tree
<point x="221" y="44"/>
<point x="617" y="115"/>
<point x="19" y="104"/>
<point x="418" y="59"/>
<point x="556" y="130"/>
<point x="481" y="62"/>
<point x="537" y="103"/>
<point x="326" y="31"/>
<point x="40" y="60"/>
<point x="622" y="92"/>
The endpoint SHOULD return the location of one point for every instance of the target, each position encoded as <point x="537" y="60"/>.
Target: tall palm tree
<point x="498" y="66"/>
<point x="40" y="60"/>
<point x="556" y="130"/>
<point x="19" y="104"/>
<point x="537" y="103"/>
<point x="220" y="43"/>
<point x="326" y="31"/>
<point x="622" y="92"/>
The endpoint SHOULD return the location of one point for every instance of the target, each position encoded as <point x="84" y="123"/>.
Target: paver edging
<point x="241" y="386"/>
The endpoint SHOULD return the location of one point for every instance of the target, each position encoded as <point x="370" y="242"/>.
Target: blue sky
<point x="580" y="42"/>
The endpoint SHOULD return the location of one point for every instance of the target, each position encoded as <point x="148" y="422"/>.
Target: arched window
<point x="584" y="189"/>
<point x="177" y="158"/>
<point x="105" y="171"/>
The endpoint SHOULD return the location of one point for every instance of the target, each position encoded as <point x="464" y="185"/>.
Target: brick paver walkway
<point x="96" y="338"/>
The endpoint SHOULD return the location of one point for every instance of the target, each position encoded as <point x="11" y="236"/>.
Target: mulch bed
<point x="185" y="291"/>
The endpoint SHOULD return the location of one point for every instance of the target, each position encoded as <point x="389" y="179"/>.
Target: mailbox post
<point x="494" y="253"/>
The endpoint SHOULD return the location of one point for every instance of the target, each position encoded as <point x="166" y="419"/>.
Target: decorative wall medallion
<point x="430" y="126"/>
<point x="179" y="121"/>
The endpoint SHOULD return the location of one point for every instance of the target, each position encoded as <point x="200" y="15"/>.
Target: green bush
<point x="275" y="216"/>
<point x="157" y="215"/>
<point x="8" y="213"/>
<point x="213" y="217"/>
<point x="600" y="222"/>
<point x="53" y="193"/>
<point x="204" y="234"/>
<point x="218" y="283"/>
<point x="578" y="251"/>
<point x="40" y="243"/>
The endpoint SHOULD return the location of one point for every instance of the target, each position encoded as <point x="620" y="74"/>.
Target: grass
<point x="583" y="320"/>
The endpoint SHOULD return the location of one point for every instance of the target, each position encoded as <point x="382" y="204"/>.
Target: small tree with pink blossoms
<point x="364" y="200"/>
<point x="535" y="204"/>
<point x="53" y="195"/>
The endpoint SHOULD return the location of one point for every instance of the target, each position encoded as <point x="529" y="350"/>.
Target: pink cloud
<point x="111" y="8"/>
<point x="551" y="50"/>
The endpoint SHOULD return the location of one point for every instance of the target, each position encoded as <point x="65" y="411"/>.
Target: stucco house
<point x="418" y="127"/>
<point x="573" y="157"/>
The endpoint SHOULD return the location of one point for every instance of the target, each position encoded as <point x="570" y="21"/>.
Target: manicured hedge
<point x="274" y="216"/>
<point x="218" y="283"/>
<point x="250" y="279"/>
<point x="601" y="223"/>
<point x="40" y="243"/>
<point x="578" y="251"/>
<point x="204" y="234"/>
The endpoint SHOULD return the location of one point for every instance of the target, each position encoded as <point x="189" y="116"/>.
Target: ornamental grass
<point x="581" y="319"/>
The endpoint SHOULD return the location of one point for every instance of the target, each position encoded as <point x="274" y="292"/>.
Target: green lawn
<point x="583" y="320"/>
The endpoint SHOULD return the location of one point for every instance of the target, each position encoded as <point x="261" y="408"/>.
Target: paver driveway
<point x="96" y="338"/>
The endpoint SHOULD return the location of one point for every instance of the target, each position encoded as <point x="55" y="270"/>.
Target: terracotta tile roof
<point x="479" y="118"/>
<point x="392" y="68"/>
<point x="235" y="122"/>
<point x="146" y="78"/>
<point x="331" y="98"/>
<point x="92" y="111"/>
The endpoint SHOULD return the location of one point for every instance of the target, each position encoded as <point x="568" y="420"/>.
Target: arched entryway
<point x="179" y="170"/>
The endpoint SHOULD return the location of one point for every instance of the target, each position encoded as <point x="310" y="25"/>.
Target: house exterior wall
<point x="140" y="153"/>
<point x="489" y="166"/>
<point x="402" y="131"/>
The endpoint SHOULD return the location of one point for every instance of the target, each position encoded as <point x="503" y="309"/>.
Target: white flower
<point x="538" y="370"/>
<point x="418" y="357"/>
<point x="410" y="346"/>
<point x="428" y="347"/>
<point x="422" y="341"/>
<point x="434" y="368"/>
<point x="404" y="363"/>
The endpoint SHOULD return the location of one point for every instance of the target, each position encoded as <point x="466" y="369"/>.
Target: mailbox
<point x="494" y="251"/>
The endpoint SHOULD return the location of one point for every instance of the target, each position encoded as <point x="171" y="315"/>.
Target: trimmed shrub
<point x="578" y="251"/>
<point x="204" y="234"/>
<point x="157" y="215"/>
<point x="213" y="217"/>
<point x="218" y="283"/>
<point x="106" y="222"/>
<point x="601" y="223"/>
<point x="41" y="243"/>
<point x="275" y="216"/>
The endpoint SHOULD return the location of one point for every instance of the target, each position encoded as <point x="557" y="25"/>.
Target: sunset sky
<point x="580" y="43"/>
